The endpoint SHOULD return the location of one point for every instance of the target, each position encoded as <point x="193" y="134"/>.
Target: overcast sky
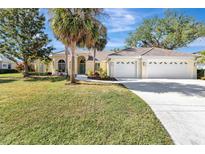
<point x="120" y="22"/>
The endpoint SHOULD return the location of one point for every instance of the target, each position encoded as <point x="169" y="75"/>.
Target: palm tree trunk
<point x="25" y="73"/>
<point x="94" y="54"/>
<point x="66" y="61"/>
<point x="72" y="68"/>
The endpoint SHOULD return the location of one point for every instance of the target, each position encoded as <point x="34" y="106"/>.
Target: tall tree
<point x="96" y="43"/>
<point x="22" y="36"/>
<point x="66" y="62"/>
<point x="100" y="42"/>
<point x="173" y="31"/>
<point x="201" y="58"/>
<point x="71" y="25"/>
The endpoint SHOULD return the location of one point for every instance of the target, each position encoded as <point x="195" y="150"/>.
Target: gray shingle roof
<point x="100" y="55"/>
<point x="150" y="52"/>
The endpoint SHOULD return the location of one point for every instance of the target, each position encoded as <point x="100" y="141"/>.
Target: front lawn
<point x="47" y="111"/>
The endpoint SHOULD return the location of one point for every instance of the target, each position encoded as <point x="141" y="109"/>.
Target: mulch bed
<point x="105" y="79"/>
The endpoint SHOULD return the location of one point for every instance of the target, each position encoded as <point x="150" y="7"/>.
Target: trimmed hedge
<point x="4" y="71"/>
<point x="200" y="74"/>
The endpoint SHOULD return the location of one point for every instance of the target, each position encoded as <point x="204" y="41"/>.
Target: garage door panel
<point x="168" y="70"/>
<point x="124" y="69"/>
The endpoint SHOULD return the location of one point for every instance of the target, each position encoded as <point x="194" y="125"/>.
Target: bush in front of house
<point x="40" y="73"/>
<point x="200" y="73"/>
<point x="4" y="71"/>
<point x="99" y="75"/>
<point x="102" y="73"/>
<point x="90" y="73"/>
<point x="202" y="78"/>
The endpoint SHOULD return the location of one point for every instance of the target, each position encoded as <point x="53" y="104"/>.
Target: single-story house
<point x="5" y="63"/>
<point x="132" y="63"/>
<point x="84" y="62"/>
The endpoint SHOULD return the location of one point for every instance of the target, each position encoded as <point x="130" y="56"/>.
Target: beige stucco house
<point x="130" y="63"/>
<point x="5" y="63"/>
<point x="84" y="62"/>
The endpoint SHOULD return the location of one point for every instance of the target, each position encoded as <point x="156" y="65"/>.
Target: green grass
<point x="46" y="111"/>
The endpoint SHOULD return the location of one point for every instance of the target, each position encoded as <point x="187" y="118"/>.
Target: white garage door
<point x="168" y="69"/>
<point x="124" y="69"/>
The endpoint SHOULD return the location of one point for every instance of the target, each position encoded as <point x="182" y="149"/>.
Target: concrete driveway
<point x="179" y="104"/>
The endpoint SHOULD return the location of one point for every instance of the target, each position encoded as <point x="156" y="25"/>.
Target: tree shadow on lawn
<point x="45" y="78"/>
<point x="2" y="81"/>
<point x="90" y="83"/>
<point x="160" y="87"/>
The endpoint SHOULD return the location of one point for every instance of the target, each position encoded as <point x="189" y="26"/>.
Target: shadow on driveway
<point x="166" y="87"/>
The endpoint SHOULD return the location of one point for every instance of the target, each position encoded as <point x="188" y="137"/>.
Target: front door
<point x="82" y="68"/>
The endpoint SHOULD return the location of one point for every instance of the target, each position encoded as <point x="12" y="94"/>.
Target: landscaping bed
<point x="106" y="79"/>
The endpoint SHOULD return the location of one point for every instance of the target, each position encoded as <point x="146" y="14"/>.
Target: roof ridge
<point x="147" y="51"/>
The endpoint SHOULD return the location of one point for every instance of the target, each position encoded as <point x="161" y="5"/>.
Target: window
<point x="97" y="66"/>
<point x="118" y="62"/>
<point x="9" y="66"/>
<point x="122" y="62"/>
<point x="4" y="66"/>
<point x="61" y="65"/>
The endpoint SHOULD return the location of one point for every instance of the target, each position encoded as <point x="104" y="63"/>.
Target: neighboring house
<point x="132" y="63"/>
<point x="5" y="63"/>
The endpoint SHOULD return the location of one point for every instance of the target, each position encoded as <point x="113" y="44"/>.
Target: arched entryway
<point x="81" y="65"/>
<point x="61" y="65"/>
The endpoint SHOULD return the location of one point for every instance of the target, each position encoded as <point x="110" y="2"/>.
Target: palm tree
<point x="96" y="41"/>
<point x="100" y="42"/>
<point x="70" y="25"/>
<point x="66" y="62"/>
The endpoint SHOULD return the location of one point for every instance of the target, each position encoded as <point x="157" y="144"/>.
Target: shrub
<point x="200" y="74"/>
<point x="40" y="73"/>
<point x="3" y="71"/>
<point x="203" y="78"/>
<point x="96" y="75"/>
<point x="90" y="73"/>
<point x="102" y="73"/>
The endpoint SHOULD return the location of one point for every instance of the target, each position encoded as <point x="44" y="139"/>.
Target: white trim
<point x="167" y="57"/>
<point x="124" y="57"/>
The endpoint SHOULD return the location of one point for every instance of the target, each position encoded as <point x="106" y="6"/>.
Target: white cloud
<point x="115" y="43"/>
<point x="121" y="20"/>
<point x="200" y="42"/>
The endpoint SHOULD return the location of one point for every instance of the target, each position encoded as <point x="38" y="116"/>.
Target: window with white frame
<point x="4" y="66"/>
